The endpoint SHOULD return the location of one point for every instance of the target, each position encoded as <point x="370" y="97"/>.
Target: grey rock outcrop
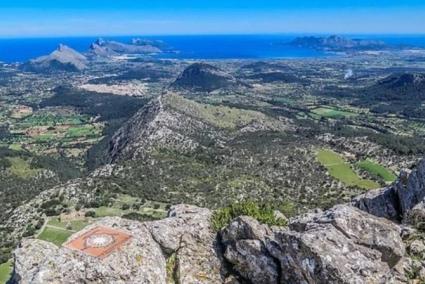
<point x="404" y="200"/>
<point x="341" y="245"/>
<point x="411" y="187"/>
<point x="381" y="202"/>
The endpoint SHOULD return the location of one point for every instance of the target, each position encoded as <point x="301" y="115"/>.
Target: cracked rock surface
<point x="341" y="245"/>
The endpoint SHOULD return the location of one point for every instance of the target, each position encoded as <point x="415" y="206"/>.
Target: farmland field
<point x="76" y="225"/>
<point x="5" y="272"/>
<point x="330" y="112"/>
<point x="55" y="235"/>
<point x="341" y="170"/>
<point x="377" y="170"/>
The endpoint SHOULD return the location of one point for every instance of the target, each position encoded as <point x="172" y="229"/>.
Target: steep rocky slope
<point x="341" y="245"/>
<point x="176" y="123"/>
<point x="64" y="59"/>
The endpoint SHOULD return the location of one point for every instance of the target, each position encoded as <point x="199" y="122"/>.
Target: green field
<point x="341" y="170"/>
<point x="76" y="225"/>
<point x="82" y="131"/>
<point x="57" y="231"/>
<point x="377" y="170"/>
<point x="108" y="211"/>
<point x="5" y="272"/>
<point x="55" y="235"/>
<point x="330" y="112"/>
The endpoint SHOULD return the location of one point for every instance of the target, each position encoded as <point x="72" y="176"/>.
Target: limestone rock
<point x="326" y="255"/>
<point x="188" y="232"/>
<point x="363" y="229"/>
<point x="381" y="202"/>
<point x="245" y="249"/>
<point x="340" y="245"/>
<point x="404" y="200"/>
<point x="411" y="188"/>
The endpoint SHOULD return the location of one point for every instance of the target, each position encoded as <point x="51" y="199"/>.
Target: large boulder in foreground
<point x="183" y="243"/>
<point x="341" y="245"/>
<point x="399" y="201"/>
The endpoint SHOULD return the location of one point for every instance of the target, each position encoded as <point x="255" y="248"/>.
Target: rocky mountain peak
<point x="204" y="78"/>
<point x="63" y="58"/>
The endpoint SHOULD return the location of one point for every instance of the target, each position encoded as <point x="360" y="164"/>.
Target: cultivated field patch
<point x="340" y="169"/>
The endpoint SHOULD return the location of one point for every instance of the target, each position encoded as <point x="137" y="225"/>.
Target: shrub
<point x="90" y="214"/>
<point x="264" y="214"/>
<point x="138" y="217"/>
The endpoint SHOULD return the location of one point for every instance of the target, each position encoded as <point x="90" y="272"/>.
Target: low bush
<point x="264" y="214"/>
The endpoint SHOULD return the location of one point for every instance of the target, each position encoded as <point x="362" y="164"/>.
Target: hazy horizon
<point x="91" y="36"/>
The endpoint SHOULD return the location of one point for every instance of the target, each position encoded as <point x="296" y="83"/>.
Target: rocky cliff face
<point x="396" y="201"/>
<point x="341" y="245"/>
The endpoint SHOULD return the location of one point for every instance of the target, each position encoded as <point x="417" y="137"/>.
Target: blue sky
<point x="23" y="18"/>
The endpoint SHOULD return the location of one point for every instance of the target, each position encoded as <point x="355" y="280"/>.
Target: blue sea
<point x="192" y="47"/>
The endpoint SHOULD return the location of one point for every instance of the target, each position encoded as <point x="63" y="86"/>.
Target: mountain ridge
<point x="63" y="58"/>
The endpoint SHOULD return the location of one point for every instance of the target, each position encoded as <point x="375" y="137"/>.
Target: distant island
<point x="338" y="43"/>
